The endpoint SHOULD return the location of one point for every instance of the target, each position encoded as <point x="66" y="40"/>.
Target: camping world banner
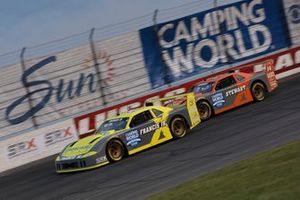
<point x="214" y="38"/>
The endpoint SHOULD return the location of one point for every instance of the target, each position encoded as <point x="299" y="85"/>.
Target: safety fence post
<point x="97" y="67"/>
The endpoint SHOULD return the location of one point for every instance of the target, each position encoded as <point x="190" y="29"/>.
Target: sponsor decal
<point x="132" y="138"/>
<point x="101" y="159"/>
<point x="236" y="90"/>
<point x="57" y="136"/>
<point x="20" y="148"/>
<point x="151" y="128"/>
<point x="218" y="100"/>
<point x="270" y="70"/>
<point x="82" y="148"/>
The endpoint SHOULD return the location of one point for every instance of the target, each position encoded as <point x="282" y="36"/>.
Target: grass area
<point x="273" y="175"/>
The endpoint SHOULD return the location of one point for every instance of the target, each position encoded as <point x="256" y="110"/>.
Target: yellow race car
<point x="129" y="133"/>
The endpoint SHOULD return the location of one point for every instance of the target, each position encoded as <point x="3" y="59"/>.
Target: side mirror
<point x="149" y="104"/>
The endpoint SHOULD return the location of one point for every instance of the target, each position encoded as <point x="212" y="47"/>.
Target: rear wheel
<point x="178" y="127"/>
<point x="258" y="91"/>
<point x="115" y="150"/>
<point x="204" y="109"/>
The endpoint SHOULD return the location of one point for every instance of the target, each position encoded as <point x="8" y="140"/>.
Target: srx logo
<point x="21" y="148"/>
<point x="57" y="136"/>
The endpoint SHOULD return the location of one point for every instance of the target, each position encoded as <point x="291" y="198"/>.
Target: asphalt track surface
<point x="227" y="138"/>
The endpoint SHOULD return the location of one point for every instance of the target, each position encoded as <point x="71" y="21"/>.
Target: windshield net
<point x="113" y="125"/>
<point x="203" y="87"/>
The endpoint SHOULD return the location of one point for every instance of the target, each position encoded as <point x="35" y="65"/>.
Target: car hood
<point x="81" y="146"/>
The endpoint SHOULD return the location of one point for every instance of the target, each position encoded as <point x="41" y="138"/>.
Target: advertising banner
<point x="212" y="39"/>
<point x="292" y="12"/>
<point x="36" y="145"/>
<point x="66" y="83"/>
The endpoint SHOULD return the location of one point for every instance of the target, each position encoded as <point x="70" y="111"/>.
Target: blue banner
<point x="208" y="40"/>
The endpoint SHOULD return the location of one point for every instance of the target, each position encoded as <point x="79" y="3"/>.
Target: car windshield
<point x="113" y="125"/>
<point x="203" y="87"/>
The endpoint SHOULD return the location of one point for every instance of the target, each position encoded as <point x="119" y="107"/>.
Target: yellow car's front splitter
<point x="82" y="169"/>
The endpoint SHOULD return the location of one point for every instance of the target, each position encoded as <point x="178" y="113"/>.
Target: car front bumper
<point x="79" y="164"/>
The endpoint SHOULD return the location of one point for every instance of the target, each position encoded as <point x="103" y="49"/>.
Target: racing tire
<point x="115" y="150"/>
<point x="178" y="127"/>
<point x="258" y="91"/>
<point x="204" y="109"/>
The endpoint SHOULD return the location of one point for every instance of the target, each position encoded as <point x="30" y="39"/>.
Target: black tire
<point x="258" y="91"/>
<point x="115" y="150"/>
<point x="205" y="110"/>
<point x="178" y="127"/>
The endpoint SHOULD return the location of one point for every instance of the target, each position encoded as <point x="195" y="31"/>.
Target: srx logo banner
<point x="20" y="148"/>
<point x="58" y="136"/>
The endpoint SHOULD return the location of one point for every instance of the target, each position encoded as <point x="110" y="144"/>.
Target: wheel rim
<point x="115" y="151"/>
<point x="178" y="128"/>
<point x="203" y="111"/>
<point x="259" y="92"/>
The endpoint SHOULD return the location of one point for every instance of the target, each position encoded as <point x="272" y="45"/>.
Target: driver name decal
<point x="151" y="128"/>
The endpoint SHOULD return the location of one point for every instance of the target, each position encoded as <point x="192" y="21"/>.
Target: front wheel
<point x="258" y="91"/>
<point x="178" y="127"/>
<point x="115" y="150"/>
<point x="204" y="109"/>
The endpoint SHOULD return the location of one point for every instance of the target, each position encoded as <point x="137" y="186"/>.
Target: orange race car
<point x="226" y="91"/>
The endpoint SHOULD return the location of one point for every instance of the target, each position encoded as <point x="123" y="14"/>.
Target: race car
<point x="129" y="133"/>
<point x="229" y="90"/>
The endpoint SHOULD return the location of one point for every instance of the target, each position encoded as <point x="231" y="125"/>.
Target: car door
<point x="142" y="127"/>
<point x="146" y="130"/>
<point x="222" y="99"/>
<point x="162" y="133"/>
<point x="243" y="91"/>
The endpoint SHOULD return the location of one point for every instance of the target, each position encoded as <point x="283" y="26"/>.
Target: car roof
<point x="220" y="76"/>
<point x="136" y="111"/>
<point x="217" y="77"/>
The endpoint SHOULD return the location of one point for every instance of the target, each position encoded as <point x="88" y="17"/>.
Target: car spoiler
<point x="171" y="101"/>
<point x="188" y="100"/>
